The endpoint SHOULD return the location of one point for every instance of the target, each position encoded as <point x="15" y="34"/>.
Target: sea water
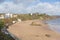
<point x="54" y="24"/>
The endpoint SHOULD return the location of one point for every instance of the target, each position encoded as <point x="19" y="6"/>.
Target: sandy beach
<point x="25" y="31"/>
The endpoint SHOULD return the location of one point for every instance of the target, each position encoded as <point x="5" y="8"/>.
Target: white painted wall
<point x="2" y="17"/>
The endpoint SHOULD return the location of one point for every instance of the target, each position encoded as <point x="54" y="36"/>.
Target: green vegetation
<point x="33" y="16"/>
<point x="3" y="36"/>
<point x="1" y="24"/>
<point x="47" y="35"/>
<point x="28" y="16"/>
<point x="35" y="24"/>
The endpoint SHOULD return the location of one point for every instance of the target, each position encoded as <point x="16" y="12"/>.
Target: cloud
<point x="30" y="6"/>
<point x="11" y="7"/>
<point x="45" y="8"/>
<point x="24" y="1"/>
<point x="17" y="6"/>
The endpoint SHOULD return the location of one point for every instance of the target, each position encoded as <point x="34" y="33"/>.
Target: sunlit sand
<point x="25" y="31"/>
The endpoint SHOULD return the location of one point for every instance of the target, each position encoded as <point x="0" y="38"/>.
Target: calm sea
<point x="54" y="24"/>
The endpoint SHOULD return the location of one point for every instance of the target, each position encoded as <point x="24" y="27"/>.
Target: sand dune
<point x="25" y="31"/>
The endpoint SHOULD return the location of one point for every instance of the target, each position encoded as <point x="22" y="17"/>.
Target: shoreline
<point x="25" y="31"/>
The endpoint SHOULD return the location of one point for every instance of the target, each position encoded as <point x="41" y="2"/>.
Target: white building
<point x="31" y="14"/>
<point x="1" y="16"/>
<point x="11" y="15"/>
<point x="8" y="15"/>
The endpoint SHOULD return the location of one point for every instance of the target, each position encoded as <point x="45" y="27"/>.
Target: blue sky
<point x="50" y="1"/>
<point x="51" y="7"/>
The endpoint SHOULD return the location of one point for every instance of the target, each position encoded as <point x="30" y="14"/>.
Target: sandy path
<point x="25" y="31"/>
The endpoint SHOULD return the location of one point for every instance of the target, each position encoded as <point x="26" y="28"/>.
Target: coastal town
<point x="28" y="26"/>
<point x="29" y="19"/>
<point x="20" y="17"/>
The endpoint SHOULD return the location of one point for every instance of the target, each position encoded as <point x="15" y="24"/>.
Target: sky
<point x="51" y="7"/>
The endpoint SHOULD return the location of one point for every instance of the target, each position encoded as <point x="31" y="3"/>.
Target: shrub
<point x="34" y="16"/>
<point x="1" y="24"/>
<point x="35" y="24"/>
<point x="4" y="36"/>
<point x="47" y="35"/>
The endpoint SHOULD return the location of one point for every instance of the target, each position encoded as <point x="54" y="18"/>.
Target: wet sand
<point x="25" y="31"/>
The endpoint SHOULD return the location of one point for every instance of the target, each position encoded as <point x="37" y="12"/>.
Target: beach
<point x="25" y="31"/>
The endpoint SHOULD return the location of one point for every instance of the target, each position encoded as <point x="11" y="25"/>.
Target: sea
<point x="54" y="24"/>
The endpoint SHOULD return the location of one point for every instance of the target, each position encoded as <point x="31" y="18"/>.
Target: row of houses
<point x="7" y="15"/>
